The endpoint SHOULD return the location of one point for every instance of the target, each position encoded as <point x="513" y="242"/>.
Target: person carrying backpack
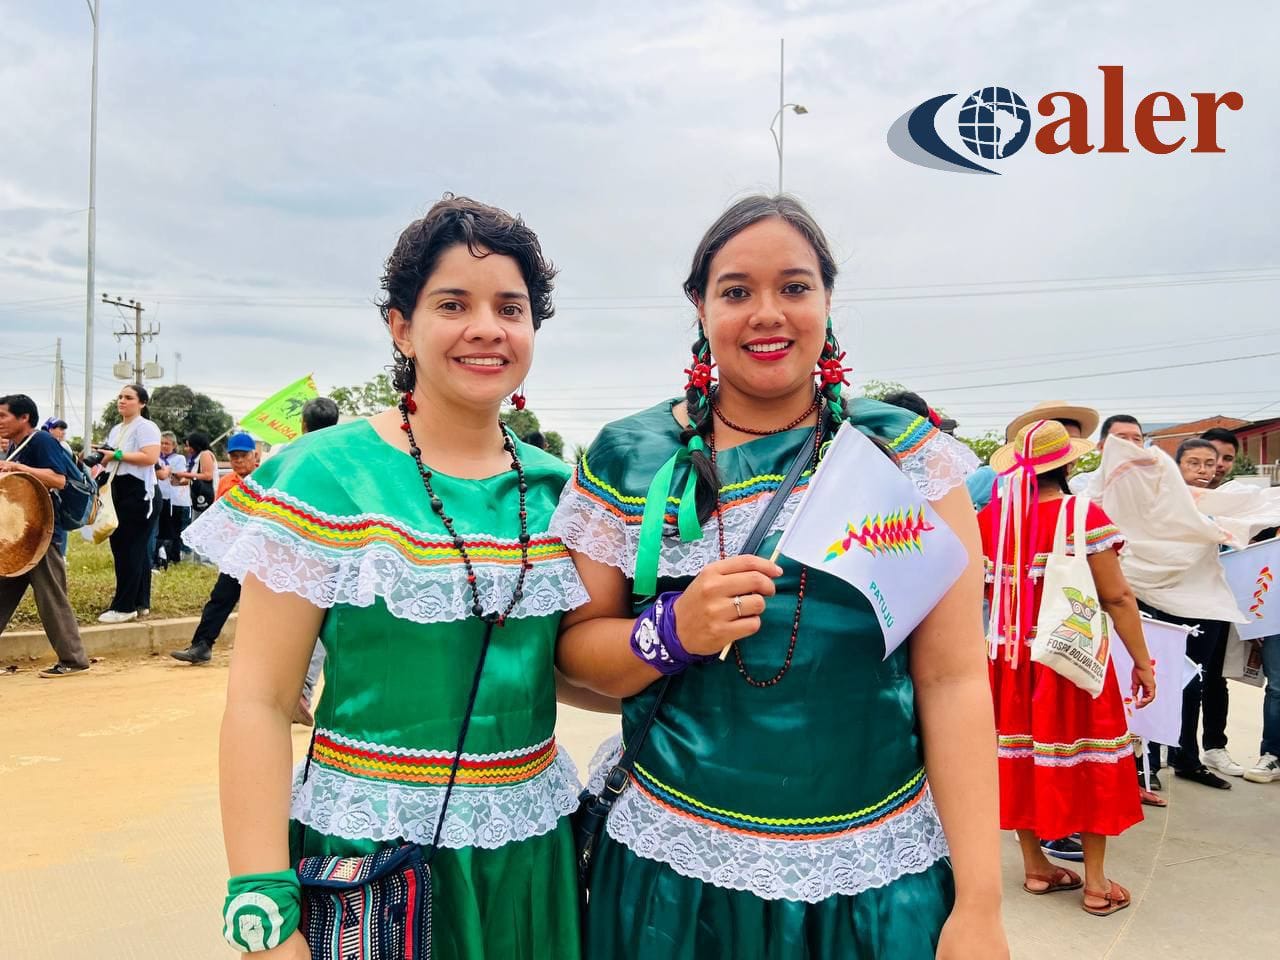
<point x="39" y="454"/>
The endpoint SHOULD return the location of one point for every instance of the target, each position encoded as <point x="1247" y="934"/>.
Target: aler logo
<point x="994" y="123"/>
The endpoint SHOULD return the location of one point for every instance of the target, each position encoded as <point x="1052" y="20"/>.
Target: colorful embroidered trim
<point x="253" y="502"/>
<point x="1023" y="746"/>
<point x="809" y="828"/>
<point x="430" y="767"/>
<point x="631" y="509"/>
<point x="1097" y="540"/>
<point x="913" y="439"/>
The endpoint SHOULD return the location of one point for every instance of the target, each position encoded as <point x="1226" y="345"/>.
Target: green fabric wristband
<point x="262" y="910"/>
<point x="118" y="455"/>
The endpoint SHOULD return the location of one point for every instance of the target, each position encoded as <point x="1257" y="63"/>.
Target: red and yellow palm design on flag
<point x="1262" y="585"/>
<point x="897" y="532"/>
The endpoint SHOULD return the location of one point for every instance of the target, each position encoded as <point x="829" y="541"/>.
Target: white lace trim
<point x="939" y="466"/>
<point x="327" y="577"/>
<point x="808" y="871"/>
<point x="1039" y="760"/>
<point x="340" y="805"/>
<point x="586" y="526"/>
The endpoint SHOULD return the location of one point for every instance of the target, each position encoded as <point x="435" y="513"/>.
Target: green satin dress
<point x="793" y="821"/>
<point x="341" y="519"/>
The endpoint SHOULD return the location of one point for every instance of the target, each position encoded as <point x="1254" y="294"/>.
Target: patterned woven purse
<point x="377" y="907"/>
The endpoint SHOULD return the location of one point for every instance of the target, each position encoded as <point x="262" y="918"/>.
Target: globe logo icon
<point x="994" y="123"/>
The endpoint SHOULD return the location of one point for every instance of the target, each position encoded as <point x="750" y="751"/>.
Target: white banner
<point x="1160" y="721"/>
<point x="1253" y="574"/>
<point x="865" y="522"/>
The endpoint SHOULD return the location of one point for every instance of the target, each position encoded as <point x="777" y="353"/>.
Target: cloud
<point x="258" y="164"/>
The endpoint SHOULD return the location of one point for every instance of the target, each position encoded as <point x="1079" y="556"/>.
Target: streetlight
<point x="779" y="117"/>
<point x="94" y="7"/>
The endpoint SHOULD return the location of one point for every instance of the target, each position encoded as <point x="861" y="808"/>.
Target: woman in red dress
<point x="1066" y="758"/>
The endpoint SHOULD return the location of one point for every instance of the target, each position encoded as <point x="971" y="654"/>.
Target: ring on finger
<point x="737" y="605"/>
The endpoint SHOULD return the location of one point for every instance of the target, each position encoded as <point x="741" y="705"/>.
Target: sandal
<point x="1151" y="799"/>
<point x="1060" y="879"/>
<point x="1117" y="898"/>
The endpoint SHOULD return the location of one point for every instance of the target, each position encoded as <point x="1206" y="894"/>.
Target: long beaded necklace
<point x="804" y="571"/>
<point x="437" y="506"/>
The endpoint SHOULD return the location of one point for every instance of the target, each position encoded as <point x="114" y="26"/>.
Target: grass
<point x="179" y="591"/>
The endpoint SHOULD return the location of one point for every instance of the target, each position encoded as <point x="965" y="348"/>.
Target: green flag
<point x="278" y="419"/>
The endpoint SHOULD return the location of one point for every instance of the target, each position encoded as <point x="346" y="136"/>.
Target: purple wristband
<point x="655" y="641"/>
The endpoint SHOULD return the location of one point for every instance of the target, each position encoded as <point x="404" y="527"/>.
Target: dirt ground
<point x="112" y="848"/>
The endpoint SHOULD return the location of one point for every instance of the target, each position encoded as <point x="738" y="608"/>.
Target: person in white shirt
<point x="175" y="502"/>
<point x="1117" y="425"/>
<point x="131" y="452"/>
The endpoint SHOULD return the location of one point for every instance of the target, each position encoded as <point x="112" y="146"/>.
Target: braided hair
<point x="746" y="212"/>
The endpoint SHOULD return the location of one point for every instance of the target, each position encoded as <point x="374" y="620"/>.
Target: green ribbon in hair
<point x="655" y="508"/>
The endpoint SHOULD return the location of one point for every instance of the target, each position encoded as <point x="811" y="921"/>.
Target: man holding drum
<point x="39" y="455"/>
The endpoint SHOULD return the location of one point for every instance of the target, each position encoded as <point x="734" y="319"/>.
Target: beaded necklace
<point x="437" y="506"/>
<point x="751" y="431"/>
<point x="804" y="571"/>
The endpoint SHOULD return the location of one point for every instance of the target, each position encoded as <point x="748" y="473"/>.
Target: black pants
<point x="129" y="545"/>
<point x="1209" y="691"/>
<point x="173" y="520"/>
<point x="222" y="600"/>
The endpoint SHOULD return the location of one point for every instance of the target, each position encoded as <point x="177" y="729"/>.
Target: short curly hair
<point x="484" y="229"/>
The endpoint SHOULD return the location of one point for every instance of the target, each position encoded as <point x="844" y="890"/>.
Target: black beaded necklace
<point x="804" y="573"/>
<point x="437" y="506"/>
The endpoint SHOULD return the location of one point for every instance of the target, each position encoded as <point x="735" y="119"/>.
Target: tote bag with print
<point x="1073" y="636"/>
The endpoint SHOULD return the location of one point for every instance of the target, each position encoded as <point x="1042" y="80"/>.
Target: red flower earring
<point x="832" y="371"/>
<point x="518" y="399"/>
<point x="700" y="376"/>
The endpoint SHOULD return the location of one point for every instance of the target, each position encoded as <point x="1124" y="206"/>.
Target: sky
<point x="256" y="163"/>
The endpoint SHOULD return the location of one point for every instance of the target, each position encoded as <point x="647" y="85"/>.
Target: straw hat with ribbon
<point x="1038" y="448"/>
<point x="1087" y="417"/>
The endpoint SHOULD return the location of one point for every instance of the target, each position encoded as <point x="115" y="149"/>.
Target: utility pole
<point x="122" y="369"/>
<point x="94" y="10"/>
<point x="782" y="109"/>
<point x="59" y="384"/>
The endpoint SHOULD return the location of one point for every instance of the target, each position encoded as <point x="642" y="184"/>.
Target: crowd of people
<point x="781" y="787"/>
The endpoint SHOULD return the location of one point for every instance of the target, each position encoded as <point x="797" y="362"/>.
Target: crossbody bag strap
<point x="618" y="777"/>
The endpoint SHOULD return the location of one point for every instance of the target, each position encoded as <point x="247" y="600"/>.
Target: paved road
<point x="111" y="847"/>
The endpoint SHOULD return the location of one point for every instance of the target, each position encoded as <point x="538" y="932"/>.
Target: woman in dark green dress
<point x="805" y="797"/>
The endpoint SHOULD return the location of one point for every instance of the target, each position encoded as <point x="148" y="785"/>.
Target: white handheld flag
<point x="1160" y="721"/>
<point x="1253" y="574"/>
<point x="864" y="521"/>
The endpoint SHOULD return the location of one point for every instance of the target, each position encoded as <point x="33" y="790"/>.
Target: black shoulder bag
<point x="593" y="809"/>
<point x="378" y="907"/>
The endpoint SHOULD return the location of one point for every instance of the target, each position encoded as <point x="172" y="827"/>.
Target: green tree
<point x="179" y="408"/>
<point x="366" y="399"/>
<point x="879" y="389"/>
<point x="1244" y="467"/>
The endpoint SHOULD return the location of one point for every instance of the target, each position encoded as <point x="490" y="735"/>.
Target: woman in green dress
<point x="390" y="538"/>
<point x="804" y="797"/>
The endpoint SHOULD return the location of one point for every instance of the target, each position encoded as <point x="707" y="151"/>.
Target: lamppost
<point x="94" y="7"/>
<point x="783" y="106"/>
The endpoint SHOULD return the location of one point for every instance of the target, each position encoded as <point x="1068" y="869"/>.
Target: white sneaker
<point x="115" y="616"/>
<point x="1267" y="770"/>
<point x="1220" y="761"/>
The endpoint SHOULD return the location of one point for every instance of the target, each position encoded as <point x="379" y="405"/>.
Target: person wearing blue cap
<point x="242" y="451"/>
